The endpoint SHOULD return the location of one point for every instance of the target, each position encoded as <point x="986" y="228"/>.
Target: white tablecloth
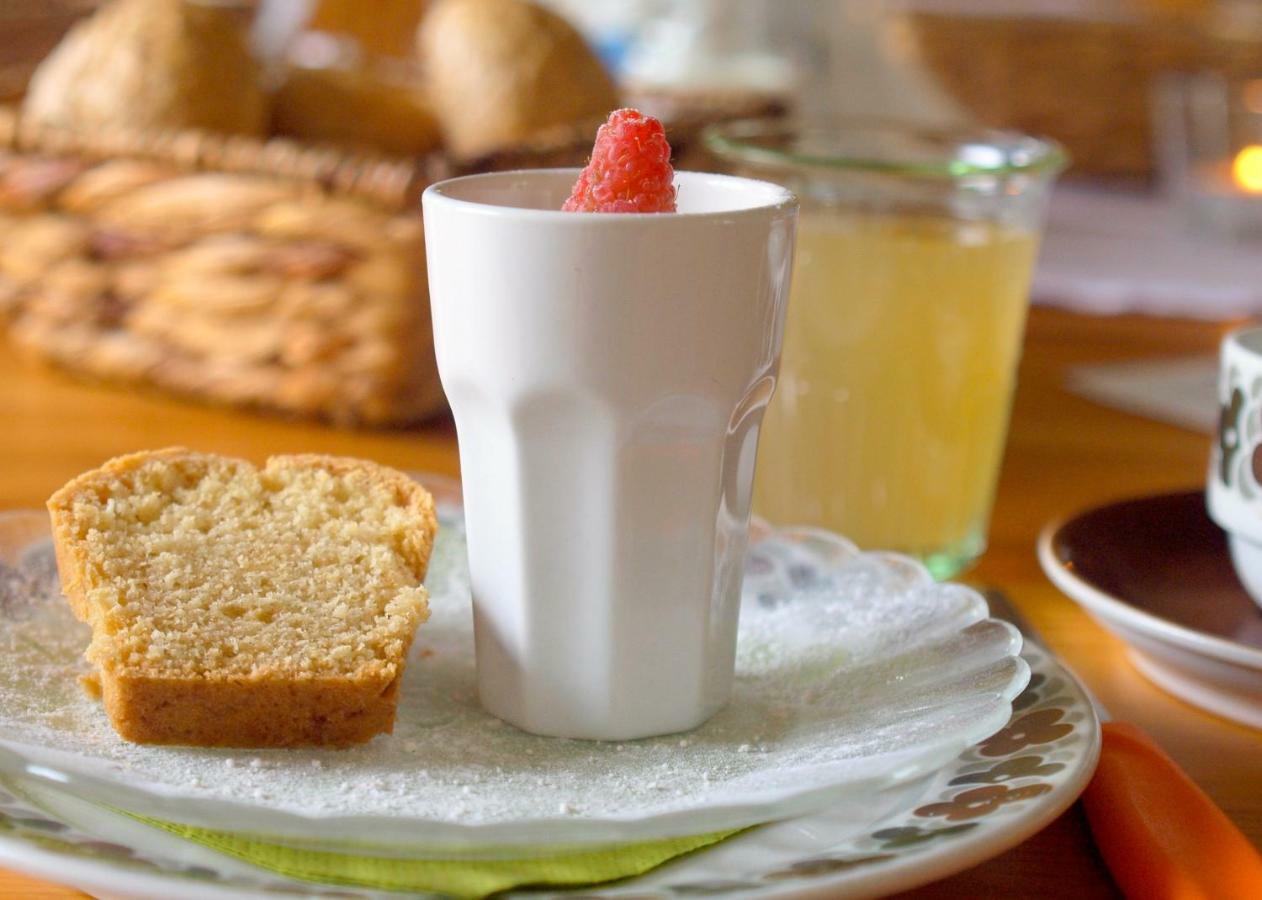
<point x="1114" y="252"/>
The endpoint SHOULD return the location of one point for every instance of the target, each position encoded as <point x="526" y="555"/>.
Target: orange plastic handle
<point x="1162" y="837"/>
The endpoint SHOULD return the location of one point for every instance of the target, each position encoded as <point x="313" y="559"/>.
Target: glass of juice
<point x="908" y="303"/>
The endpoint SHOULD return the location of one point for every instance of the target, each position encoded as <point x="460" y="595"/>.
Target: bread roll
<point x="502" y="71"/>
<point x="353" y="107"/>
<point x="152" y="64"/>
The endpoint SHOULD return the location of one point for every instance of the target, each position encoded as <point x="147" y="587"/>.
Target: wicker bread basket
<point x="253" y="273"/>
<point x="1085" y="81"/>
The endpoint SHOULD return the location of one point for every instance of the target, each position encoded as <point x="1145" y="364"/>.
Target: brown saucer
<point x="1165" y="556"/>
<point x="1156" y="572"/>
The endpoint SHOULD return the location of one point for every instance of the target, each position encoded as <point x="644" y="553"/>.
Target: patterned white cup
<point x="1234" y="492"/>
<point x="608" y="374"/>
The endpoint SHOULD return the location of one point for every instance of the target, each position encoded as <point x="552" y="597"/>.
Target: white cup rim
<point x="1246" y="341"/>
<point x="764" y="197"/>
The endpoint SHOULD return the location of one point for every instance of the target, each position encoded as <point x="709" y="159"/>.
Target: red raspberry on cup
<point x="629" y="169"/>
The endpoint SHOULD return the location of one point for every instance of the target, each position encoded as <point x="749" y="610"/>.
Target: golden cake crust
<point x="271" y="704"/>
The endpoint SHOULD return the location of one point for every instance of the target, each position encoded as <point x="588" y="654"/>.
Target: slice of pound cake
<point x="235" y="606"/>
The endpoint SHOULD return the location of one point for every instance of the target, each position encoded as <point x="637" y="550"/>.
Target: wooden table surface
<point x="1064" y="454"/>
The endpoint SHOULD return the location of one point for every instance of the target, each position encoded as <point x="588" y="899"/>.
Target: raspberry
<point x="629" y="170"/>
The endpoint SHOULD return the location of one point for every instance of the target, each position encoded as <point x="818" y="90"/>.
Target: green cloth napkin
<point x="458" y="877"/>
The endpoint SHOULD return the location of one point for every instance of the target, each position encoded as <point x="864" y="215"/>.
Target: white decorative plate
<point x="988" y="799"/>
<point x="857" y="673"/>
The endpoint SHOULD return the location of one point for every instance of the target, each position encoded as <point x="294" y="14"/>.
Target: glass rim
<point x="1021" y="154"/>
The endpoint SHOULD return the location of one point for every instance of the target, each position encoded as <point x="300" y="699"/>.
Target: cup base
<point x="1246" y="558"/>
<point x="575" y="729"/>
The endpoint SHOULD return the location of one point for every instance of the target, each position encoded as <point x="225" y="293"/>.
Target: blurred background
<point x="217" y="197"/>
<point x="1060" y="67"/>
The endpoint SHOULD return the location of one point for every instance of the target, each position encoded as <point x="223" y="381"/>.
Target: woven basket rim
<point x="392" y="182"/>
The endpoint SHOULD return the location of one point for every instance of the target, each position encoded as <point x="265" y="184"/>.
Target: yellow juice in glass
<point x="900" y="355"/>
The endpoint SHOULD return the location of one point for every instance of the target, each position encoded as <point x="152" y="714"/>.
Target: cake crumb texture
<point x="238" y="606"/>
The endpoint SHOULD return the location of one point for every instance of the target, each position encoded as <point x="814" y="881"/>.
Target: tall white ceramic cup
<point x="608" y="374"/>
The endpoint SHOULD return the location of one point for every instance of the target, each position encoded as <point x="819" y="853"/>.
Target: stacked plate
<point x="884" y="732"/>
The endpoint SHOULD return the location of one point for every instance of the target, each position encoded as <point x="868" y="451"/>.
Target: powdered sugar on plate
<point x="852" y="669"/>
